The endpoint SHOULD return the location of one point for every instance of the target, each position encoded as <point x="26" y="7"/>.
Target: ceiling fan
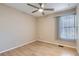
<point x="41" y="8"/>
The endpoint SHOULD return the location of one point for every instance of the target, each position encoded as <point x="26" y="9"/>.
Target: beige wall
<point x="47" y="29"/>
<point x="16" y="28"/>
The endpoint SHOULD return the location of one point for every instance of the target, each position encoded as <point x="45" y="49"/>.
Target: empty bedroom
<point x="39" y="29"/>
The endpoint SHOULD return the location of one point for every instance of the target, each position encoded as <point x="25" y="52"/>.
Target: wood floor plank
<point x="41" y="49"/>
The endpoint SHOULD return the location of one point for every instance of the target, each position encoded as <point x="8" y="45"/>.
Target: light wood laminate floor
<point x="41" y="49"/>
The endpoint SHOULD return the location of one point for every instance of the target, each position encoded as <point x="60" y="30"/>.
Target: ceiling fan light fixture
<point x="40" y="10"/>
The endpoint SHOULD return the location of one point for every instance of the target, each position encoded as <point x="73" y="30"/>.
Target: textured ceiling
<point x="28" y="9"/>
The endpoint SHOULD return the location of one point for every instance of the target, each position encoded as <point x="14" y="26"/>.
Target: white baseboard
<point x="56" y="43"/>
<point x="18" y="46"/>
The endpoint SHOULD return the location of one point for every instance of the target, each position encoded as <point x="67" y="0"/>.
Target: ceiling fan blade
<point x="34" y="11"/>
<point x="48" y="9"/>
<point x="33" y="6"/>
<point x="43" y="13"/>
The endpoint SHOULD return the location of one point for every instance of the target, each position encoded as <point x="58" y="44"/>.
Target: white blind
<point x="67" y="27"/>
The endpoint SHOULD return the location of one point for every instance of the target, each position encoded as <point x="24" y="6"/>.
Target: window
<point x="67" y="27"/>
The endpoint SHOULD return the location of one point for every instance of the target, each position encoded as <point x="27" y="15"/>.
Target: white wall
<point x="47" y="29"/>
<point x="16" y="28"/>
